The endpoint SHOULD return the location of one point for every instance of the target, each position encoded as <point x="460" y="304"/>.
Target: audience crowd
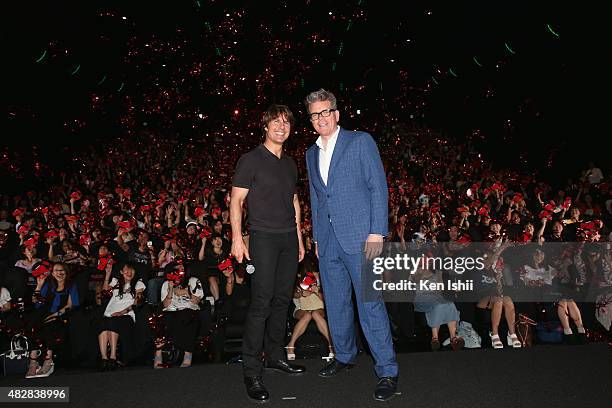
<point x="123" y="257"/>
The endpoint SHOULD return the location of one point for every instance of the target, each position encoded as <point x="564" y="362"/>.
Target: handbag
<point x="312" y="302"/>
<point x="524" y="330"/>
<point x="15" y="360"/>
<point x="468" y="334"/>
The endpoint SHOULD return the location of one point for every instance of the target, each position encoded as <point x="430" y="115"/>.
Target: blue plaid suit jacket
<point x="355" y="200"/>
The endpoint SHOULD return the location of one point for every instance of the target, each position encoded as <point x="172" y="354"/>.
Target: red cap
<point x="51" y="233"/>
<point x="125" y="225"/>
<point x="42" y="268"/>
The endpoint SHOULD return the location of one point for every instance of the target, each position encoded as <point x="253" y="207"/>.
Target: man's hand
<point x="239" y="250"/>
<point x="373" y="246"/>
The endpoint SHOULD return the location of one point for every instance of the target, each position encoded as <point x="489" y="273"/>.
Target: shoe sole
<point x="46" y="374"/>
<point x="259" y="401"/>
<point x="278" y="370"/>
<point x="511" y="344"/>
<point x="388" y="399"/>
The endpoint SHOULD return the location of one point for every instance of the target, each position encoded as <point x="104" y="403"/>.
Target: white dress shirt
<point x="326" y="153"/>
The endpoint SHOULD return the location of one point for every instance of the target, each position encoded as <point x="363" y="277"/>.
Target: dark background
<point x="168" y="62"/>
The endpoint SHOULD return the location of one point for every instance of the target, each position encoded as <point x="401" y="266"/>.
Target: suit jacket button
<point x="328" y="196"/>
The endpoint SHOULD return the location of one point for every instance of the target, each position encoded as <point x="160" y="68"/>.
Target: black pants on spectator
<point x="124" y="327"/>
<point x="182" y="328"/>
<point x="275" y="257"/>
<point x="52" y="334"/>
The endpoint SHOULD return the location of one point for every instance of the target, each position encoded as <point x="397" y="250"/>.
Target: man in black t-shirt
<point x="266" y="178"/>
<point x="139" y="253"/>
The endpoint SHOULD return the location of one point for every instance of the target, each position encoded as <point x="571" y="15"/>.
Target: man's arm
<point x="239" y="249"/>
<point x="298" y="221"/>
<point x="379" y="200"/>
<point x="377" y="185"/>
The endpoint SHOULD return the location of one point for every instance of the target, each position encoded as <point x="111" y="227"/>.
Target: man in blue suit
<point x="348" y="197"/>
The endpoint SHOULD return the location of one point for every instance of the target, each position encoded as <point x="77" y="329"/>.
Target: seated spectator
<point x="69" y="255"/>
<point x="212" y="257"/>
<point x="180" y="297"/>
<point x="308" y="300"/>
<point x="493" y="299"/>
<point x="53" y="297"/>
<point x="104" y="266"/>
<point x="119" y="317"/>
<point x="28" y="261"/>
<point x="170" y="252"/>
<point x="438" y="311"/>
<point x="548" y="281"/>
<point x="232" y="313"/>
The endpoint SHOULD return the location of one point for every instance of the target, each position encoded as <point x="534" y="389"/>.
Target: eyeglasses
<point x="325" y="113"/>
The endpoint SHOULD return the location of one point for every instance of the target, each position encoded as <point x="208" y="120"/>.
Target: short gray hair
<point x="321" y="96"/>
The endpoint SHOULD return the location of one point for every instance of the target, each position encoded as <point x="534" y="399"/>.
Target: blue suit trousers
<point x="338" y="271"/>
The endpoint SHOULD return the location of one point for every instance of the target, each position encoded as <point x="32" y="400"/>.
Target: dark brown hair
<point x="273" y="112"/>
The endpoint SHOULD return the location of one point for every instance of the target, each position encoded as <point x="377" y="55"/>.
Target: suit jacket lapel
<point x="341" y="144"/>
<point x="317" y="169"/>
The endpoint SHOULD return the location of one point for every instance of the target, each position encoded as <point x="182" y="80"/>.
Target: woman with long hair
<point x="212" y="257"/>
<point x="181" y="296"/>
<point x="53" y="297"/>
<point x="119" y="317"/>
<point x="551" y="283"/>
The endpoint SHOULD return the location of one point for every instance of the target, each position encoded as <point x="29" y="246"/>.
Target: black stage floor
<point x="543" y="376"/>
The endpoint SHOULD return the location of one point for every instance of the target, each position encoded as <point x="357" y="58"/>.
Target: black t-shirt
<point x="212" y="261"/>
<point x="272" y="183"/>
<point x="141" y="259"/>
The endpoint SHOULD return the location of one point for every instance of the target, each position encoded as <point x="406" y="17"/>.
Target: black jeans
<point x="275" y="257"/>
<point x="182" y="326"/>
